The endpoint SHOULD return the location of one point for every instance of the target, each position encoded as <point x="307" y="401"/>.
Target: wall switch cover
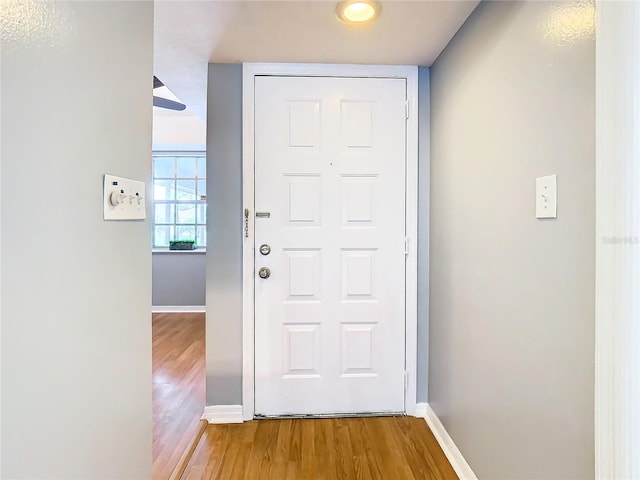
<point x="546" y="197"/>
<point x="124" y="199"/>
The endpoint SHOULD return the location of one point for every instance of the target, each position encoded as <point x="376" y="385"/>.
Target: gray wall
<point x="512" y="298"/>
<point x="422" y="391"/>
<point x="179" y="278"/>
<point x="76" y="290"/>
<point x="224" y="230"/>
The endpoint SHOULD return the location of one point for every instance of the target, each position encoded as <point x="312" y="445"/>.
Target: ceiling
<point x="175" y="129"/>
<point x="191" y="34"/>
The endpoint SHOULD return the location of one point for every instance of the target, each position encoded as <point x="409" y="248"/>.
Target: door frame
<point x="250" y="71"/>
<point x="617" y="310"/>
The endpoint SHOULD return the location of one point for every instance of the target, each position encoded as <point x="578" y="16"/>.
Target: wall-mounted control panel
<point x="124" y="199"/>
<point x="546" y="197"/>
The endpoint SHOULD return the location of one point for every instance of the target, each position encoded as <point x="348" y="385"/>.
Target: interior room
<point x="337" y="246"/>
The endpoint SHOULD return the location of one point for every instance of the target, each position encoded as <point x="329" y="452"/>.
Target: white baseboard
<point x="457" y="461"/>
<point x="421" y="410"/>
<point x="223" y="414"/>
<point x="178" y="309"/>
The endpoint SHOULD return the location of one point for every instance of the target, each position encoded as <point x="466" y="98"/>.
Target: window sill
<point x="166" y="250"/>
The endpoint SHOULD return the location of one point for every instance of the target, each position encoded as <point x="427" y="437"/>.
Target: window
<point x="179" y="198"/>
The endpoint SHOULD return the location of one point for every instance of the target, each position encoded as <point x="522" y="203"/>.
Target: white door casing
<point x="617" y="362"/>
<point x="330" y="174"/>
<point x="358" y="332"/>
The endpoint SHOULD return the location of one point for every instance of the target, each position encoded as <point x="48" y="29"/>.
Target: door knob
<point x="264" y="272"/>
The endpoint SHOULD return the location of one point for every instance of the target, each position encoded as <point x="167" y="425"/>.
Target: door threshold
<point x="328" y="415"/>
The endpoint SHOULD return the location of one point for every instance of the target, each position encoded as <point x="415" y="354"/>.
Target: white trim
<point x="411" y="272"/>
<point x="410" y="73"/>
<point x="166" y="250"/>
<point x="248" y="267"/>
<point x="453" y="454"/>
<point x="178" y="309"/>
<point x="223" y="414"/>
<point x="617" y="376"/>
<point x="178" y="153"/>
<point x="179" y="148"/>
<point x="421" y="410"/>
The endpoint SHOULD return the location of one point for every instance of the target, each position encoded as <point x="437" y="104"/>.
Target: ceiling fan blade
<point x="157" y="83"/>
<point x="166" y="103"/>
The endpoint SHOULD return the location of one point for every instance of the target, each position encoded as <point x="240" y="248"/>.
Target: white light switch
<point x="546" y="197"/>
<point x="124" y="199"/>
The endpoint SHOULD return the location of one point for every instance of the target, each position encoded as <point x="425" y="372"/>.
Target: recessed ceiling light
<point x="358" y="11"/>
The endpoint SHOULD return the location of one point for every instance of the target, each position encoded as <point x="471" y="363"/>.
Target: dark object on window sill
<point x="182" y="245"/>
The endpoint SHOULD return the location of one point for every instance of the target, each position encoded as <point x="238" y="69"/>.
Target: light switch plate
<point x="546" y="197"/>
<point x="124" y="199"/>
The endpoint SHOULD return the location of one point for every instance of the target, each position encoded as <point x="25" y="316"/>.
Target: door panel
<point x="330" y="170"/>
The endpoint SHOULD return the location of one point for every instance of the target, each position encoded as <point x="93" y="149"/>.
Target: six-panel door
<point x="330" y="202"/>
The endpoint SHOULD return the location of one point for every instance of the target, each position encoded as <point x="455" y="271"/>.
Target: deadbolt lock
<point x="265" y="249"/>
<point x="264" y="272"/>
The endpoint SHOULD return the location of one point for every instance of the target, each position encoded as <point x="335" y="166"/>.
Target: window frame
<point x="196" y="202"/>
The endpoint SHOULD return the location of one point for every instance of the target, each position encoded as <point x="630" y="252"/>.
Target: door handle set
<point x="264" y="272"/>
<point x="264" y="249"/>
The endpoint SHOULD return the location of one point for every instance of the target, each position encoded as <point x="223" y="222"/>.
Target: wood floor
<point x="178" y="386"/>
<point x="386" y="448"/>
<point x="389" y="448"/>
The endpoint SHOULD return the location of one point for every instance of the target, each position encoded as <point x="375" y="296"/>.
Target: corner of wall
<point x="450" y="449"/>
<point x="424" y="153"/>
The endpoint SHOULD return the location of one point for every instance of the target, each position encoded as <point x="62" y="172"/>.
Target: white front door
<point x="330" y="203"/>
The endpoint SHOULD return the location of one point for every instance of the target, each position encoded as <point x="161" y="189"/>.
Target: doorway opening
<point x="179" y="217"/>
<point x="305" y="338"/>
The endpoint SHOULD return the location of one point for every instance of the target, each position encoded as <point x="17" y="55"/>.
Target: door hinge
<point x="406" y="109"/>
<point x="406" y="246"/>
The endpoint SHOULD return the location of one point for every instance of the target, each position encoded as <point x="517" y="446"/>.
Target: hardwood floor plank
<point x="343" y="450"/>
<point x="180" y="467"/>
<point x="260" y="456"/>
<point x="283" y="441"/>
<point x="278" y="470"/>
<point x="422" y="440"/>
<point x="361" y="463"/>
<point x="375" y="456"/>
<point x="327" y="454"/>
<point x="244" y="451"/>
<point x="195" y="473"/>
<point x="393" y="460"/>
<point x="227" y="462"/>
<point x="211" y="455"/>
<point x="308" y="455"/>
<point x="416" y="463"/>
